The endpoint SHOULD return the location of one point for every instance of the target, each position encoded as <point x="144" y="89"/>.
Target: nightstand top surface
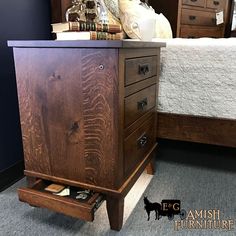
<point x="84" y="44"/>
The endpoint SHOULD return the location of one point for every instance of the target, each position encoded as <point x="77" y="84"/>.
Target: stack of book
<point x="87" y="31"/>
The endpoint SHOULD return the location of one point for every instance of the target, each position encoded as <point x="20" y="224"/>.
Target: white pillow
<point x="132" y="12"/>
<point x="163" y="28"/>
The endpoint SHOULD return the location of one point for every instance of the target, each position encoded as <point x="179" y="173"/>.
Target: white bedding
<point x="198" y="77"/>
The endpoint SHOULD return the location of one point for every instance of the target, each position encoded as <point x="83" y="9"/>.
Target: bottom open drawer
<point x="83" y="208"/>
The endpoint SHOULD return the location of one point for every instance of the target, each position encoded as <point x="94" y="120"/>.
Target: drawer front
<point x="138" y="143"/>
<point x="216" y="4"/>
<point x="193" y="17"/>
<point x="139" y="103"/>
<point x="187" y="32"/>
<point x="197" y="3"/>
<point x="82" y="209"/>
<point x="140" y="68"/>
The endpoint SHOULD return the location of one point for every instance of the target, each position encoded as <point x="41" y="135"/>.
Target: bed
<point x="197" y="92"/>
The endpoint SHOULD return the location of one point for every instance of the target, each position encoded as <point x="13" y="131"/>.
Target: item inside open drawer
<point x="79" y="203"/>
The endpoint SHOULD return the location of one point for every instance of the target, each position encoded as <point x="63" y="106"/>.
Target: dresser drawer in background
<point x="197" y="3"/>
<point x="137" y="69"/>
<point x="216" y="4"/>
<point x="139" y="103"/>
<point x="193" y="17"/>
<point x="190" y="32"/>
<point x="138" y="143"/>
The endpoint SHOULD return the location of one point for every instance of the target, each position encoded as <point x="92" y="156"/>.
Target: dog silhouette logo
<point x="168" y="208"/>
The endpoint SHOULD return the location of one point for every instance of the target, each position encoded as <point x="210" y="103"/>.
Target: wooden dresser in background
<point x="194" y="18"/>
<point x="88" y="119"/>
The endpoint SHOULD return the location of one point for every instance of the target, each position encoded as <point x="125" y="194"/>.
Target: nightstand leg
<point x="151" y="167"/>
<point x="115" y="210"/>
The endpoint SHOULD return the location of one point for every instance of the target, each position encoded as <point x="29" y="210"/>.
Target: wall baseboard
<point x="11" y="175"/>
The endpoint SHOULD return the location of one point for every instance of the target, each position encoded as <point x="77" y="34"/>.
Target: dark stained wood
<point x="196" y="17"/>
<point x="129" y="182"/>
<point x="76" y="101"/>
<point x="100" y="106"/>
<point x="67" y="116"/>
<point x="115" y="210"/>
<point x="133" y="88"/>
<point x="149" y="46"/>
<point x="201" y="13"/>
<point x="139" y="103"/>
<point x="197" y="32"/>
<point x="197" y="129"/>
<point x="151" y="167"/>
<point x="30" y="181"/>
<point x="139" y="69"/>
<point x="197" y="3"/>
<point x="58" y="10"/>
<point x="216" y="4"/>
<point x="138" y="144"/>
<point x="56" y="15"/>
<point x="122" y="191"/>
<point x="129" y="130"/>
<point x="36" y="196"/>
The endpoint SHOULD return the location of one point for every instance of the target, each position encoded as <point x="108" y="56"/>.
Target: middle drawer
<point x="139" y="103"/>
<point x="193" y="17"/>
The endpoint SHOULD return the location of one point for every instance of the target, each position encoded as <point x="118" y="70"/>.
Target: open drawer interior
<point x="79" y="203"/>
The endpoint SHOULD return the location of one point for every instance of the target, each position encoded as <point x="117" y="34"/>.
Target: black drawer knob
<point x="143" y="69"/>
<point x="216" y="3"/>
<point x="142" y="141"/>
<point x="142" y="104"/>
<point x="192" y="17"/>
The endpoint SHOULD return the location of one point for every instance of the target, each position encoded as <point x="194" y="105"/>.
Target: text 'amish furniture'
<point x="88" y="119"/>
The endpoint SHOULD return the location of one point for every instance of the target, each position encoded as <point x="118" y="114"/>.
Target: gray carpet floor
<point x="202" y="178"/>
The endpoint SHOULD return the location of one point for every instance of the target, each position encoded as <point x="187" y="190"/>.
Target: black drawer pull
<point x="192" y="17"/>
<point x="142" y="142"/>
<point x="216" y="3"/>
<point x="142" y="104"/>
<point x="193" y="0"/>
<point x="143" y="69"/>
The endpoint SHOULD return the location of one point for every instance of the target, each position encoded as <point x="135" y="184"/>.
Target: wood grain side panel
<point x="197" y="129"/>
<point x="68" y="106"/>
<point x="100" y="108"/>
<point x="51" y="110"/>
<point x="36" y="152"/>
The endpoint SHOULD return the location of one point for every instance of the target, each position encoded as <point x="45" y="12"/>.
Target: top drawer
<point x="197" y="3"/>
<point x="216" y="4"/>
<point x="140" y="68"/>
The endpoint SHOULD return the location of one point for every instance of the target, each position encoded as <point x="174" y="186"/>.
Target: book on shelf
<point x="86" y="26"/>
<point x="88" y="35"/>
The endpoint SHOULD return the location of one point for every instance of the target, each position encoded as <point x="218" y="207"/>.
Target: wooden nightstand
<point x="88" y="119"/>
